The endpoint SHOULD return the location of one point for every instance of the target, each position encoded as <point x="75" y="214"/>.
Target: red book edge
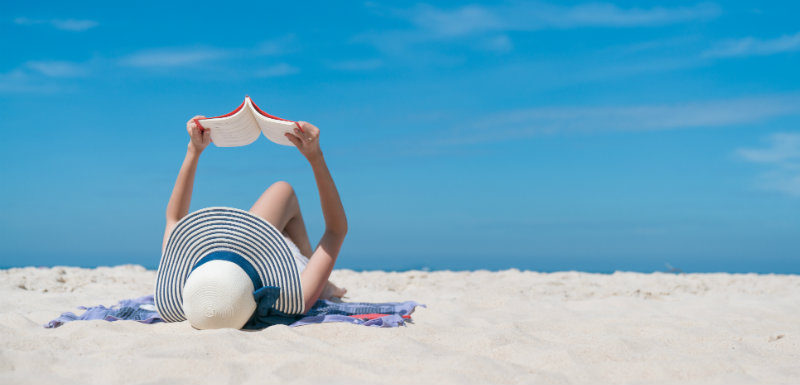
<point x="260" y="111"/>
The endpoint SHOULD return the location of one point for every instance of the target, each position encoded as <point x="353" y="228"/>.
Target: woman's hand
<point x="306" y="140"/>
<point x="199" y="141"/>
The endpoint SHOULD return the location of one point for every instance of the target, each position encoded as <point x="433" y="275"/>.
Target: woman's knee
<point x="283" y="192"/>
<point x="282" y="187"/>
<point x="278" y="204"/>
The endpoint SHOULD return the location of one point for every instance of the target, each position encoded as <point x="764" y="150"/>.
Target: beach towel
<point x="142" y="309"/>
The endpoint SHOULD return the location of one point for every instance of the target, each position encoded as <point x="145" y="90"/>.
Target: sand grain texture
<point x="507" y="327"/>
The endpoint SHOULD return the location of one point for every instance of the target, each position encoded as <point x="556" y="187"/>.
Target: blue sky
<point x="594" y="136"/>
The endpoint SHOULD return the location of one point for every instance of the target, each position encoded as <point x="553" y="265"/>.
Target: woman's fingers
<point x="308" y="128"/>
<point x="304" y="135"/>
<point x="192" y="123"/>
<point x="310" y="131"/>
<point x="193" y="120"/>
<point x="196" y="132"/>
<point x="294" y="139"/>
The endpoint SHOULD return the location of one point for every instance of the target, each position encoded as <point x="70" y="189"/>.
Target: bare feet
<point x="331" y="291"/>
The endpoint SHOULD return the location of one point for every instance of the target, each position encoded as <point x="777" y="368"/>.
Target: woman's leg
<point x="280" y="207"/>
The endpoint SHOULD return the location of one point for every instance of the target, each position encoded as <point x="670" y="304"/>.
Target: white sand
<point x="479" y="327"/>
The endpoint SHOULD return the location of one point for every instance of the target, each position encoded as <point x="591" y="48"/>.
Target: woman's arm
<point x="181" y="197"/>
<point x="320" y="265"/>
<point x="332" y="210"/>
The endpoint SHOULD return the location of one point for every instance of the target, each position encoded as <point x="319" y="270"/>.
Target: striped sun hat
<point x="215" y="234"/>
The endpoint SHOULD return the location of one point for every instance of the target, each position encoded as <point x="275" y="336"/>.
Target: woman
<point x="278" y="205"/>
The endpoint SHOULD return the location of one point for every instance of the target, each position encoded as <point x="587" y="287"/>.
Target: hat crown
<point x="218" y="294"/>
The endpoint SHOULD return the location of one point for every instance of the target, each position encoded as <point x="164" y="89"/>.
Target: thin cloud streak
<point x="526" y="16"/>
<point x="20" y="81"/>
<point x="466" y="136"/>
<point x="74" y="25"/>
<point x="357" y="65"/>
<point x="173" y="57"/>
<point x="783" y="159"/>
<point x="58" y="69"/>
<point x="784" y="147"/>
<point x="44" y="76"/>
<point x="51" y="76"/>
<point x="497" y="43"/>
<point x="750" y="46"/>
<point x="280" y="69"/>
<point x="552" y="120"/>
<point x="432" y="24"/>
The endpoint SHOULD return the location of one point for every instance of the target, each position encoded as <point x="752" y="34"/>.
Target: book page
<point x="238" y="129"/>
<point x="274" y="129"/>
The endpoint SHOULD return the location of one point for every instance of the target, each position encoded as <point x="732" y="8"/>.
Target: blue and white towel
<point x="143" y="310"/>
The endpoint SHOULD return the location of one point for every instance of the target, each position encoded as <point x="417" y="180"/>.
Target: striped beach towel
<point x="142" y="309"/>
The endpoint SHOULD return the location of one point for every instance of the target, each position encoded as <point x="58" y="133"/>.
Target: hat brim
<point x="226" y="229"/>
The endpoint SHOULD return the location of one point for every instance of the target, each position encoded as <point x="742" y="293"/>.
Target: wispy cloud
<point x="280" y="69"/>
<point x="20" y="81"/>
<point x="536" y="121"/>
<point x="751" y="46"/>
<point x="174" y="57"/>
<point x="49" y="76"/>
<point x="46" y="76"/>
<point x="75" y="25"/>
<point x="784" y="147"/>
<point x="467" y="136"/>
<point x="14" y="81"/>
<point x="357" y="65"/>
<point x="715" y="51"/>
<point x="58" y="69"/>
<point x="430" y="23"/>
<point x="279" y="46"/>
<point x="782" y="156"/>
<point x="530" y="16"/>
<point x="498" y="43"/>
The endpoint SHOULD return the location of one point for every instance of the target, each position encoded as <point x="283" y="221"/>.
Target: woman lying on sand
<point x="220" y="265"/>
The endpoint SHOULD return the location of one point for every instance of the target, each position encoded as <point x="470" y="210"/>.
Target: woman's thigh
<point x="278" y="204"/>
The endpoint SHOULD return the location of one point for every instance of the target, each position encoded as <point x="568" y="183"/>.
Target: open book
<point x="243" y="125"/>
